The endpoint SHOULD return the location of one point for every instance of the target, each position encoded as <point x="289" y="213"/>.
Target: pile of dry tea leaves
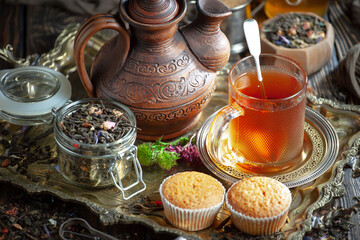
<point x="333" y="222"/>
<point x="95" y="123"/>
<point x="19" y="151"/>
<point x="25" y="217"/>
<point x="295" y="30"/>
<point x="39" y="216"/>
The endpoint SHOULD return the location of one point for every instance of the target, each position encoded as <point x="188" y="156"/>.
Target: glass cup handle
<point x="218" y="126"/>
<point x="138" y="171"/>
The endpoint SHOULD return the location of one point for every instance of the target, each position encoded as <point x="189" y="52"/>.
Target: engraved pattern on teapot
<point x="159" y="91"/>
<point x="183" y="112"/>
<point x="180" y="63"/>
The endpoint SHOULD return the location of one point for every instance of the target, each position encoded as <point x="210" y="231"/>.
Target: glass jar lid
<point x="28" y="94"/>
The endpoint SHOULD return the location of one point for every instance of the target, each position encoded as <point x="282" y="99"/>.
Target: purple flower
<point x="96" y="138"/>
<point x="176" y="149"/>
<point x="188" y="154"/>
<point x="282" y="39"/>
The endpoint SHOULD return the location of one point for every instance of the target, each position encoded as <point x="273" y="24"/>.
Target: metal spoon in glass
<point x="252" y="35"/>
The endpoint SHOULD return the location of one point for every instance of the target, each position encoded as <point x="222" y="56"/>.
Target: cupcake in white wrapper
<point x="191" y="200"/>
<point x="258" y="205"/>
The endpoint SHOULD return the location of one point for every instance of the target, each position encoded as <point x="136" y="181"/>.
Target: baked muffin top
<point x="193" y="190"/>
<point x="259" y="197"/>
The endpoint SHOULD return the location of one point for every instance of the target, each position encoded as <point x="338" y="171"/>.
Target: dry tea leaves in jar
<point x="95" y="124"/>
<point x="295" y="30"/>
<point x="95" y="140"/>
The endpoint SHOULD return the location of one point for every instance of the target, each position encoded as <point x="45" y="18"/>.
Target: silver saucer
<point x="320" y="141"/>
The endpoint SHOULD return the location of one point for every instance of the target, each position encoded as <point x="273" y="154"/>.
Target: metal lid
<point x="28" y="94"/>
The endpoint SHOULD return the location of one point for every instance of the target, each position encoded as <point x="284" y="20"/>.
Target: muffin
<point x="258" y="205"/>
<point x="191" y="199"/>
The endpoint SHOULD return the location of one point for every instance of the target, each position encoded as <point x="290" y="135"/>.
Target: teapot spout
<point x="204" y="36"/>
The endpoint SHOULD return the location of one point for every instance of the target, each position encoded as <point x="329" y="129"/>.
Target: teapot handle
<point x="86" y="31"/>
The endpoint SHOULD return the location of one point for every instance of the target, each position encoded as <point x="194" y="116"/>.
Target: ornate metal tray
<point x="107" y="203"/>
<point x="111" y="208"/>
<point x="321" y="147"/>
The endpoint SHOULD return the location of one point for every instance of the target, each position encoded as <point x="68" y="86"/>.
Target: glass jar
<point x="28" y="94"/>
<point x="98" y="165"/>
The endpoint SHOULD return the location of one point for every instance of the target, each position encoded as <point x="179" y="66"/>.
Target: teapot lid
<point x="153" y="11"/>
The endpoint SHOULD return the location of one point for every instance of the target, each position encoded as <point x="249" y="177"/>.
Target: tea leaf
<point x="17" y="226"/>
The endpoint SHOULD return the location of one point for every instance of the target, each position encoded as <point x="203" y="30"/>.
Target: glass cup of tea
<point x="273" y="8"/>
<point x="261" y="130"/>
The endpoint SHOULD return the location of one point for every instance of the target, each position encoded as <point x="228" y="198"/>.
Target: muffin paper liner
<point x="257" y="226"/>
<point x="190" y="219"/>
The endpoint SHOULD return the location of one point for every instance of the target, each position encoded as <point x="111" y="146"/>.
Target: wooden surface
<point x="33" y="29"/>
<point x="326" y="84"/>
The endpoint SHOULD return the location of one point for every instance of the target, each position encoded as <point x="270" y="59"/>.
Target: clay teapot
<point x="164" y="74"/>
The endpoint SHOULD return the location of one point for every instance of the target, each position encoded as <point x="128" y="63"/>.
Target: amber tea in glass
<point x="274" y="7"/>
<point x="265" y="134"/>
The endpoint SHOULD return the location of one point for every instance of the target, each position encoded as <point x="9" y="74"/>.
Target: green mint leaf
<point x="166" y="159"/>
<point x="145" y="154"/>
<point x="181" y="141"/>
<point x="154" y="152"/>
